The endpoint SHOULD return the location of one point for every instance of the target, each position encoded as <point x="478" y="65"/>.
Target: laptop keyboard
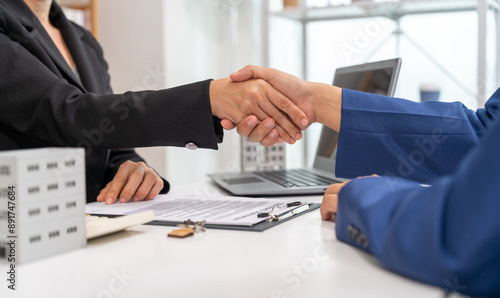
<point x="297" y="178"/>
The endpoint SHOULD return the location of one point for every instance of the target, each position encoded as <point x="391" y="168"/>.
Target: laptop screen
<point x="377" y="77"/>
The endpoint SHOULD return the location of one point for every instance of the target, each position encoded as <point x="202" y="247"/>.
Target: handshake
<point x="270" y="106"/>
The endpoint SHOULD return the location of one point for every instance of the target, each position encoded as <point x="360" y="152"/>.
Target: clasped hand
<point x="318" y="102"/>
<point x="255" y="103"/>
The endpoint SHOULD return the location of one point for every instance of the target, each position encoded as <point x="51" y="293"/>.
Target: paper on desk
<point x="221" y="210"/>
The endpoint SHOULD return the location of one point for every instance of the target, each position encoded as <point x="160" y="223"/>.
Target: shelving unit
<point x="82" y="12"/>
<point x="394" y="10"/>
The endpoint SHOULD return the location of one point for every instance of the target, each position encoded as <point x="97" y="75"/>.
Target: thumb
<point x="227" y="124"/>
<point x="243" y="74"/>
<point x="283" y="82"/>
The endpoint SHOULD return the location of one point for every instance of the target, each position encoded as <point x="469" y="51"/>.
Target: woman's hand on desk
<point x="134" y="181"/>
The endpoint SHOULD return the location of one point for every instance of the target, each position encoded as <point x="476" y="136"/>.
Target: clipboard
<point x="260" y="227"/>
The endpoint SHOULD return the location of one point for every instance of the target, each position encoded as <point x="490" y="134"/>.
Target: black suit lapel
<point x="83" y="57"/>
<point x="24" y="14"/>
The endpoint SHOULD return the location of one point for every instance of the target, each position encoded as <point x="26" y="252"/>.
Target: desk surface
<point x="299" y="258"/>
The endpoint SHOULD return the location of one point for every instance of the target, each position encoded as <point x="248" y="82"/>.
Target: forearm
<point x="171" y="117"/>
<point x="396" y="137"/>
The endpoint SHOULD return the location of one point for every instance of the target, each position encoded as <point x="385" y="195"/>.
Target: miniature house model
<point x="42" y="203"/>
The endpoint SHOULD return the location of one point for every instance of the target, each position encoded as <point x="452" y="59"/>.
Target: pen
<point x="292" y="212"/>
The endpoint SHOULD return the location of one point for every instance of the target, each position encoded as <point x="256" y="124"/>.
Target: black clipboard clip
<point x="301" y="207"/>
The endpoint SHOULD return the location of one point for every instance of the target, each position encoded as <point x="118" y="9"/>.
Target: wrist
<point x="213" y="93"/>
<point x="328" y="105"/>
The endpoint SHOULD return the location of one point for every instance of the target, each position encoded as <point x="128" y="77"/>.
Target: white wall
<point x="179" y="42"/>
<point x="206" y="39"/>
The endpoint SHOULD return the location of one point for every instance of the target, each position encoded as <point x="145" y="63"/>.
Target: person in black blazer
<point x="55" y="91"/>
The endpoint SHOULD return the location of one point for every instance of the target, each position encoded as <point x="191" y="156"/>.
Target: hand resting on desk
<point x="134" y="180"/>
<point x="329" y="205"/>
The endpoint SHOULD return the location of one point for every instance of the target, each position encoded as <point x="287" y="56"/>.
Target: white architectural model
<point x="255" y="157"/>
<point x="42" y="203"/>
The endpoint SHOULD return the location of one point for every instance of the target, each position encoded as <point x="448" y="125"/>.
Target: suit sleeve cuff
<point x="364" y="208"/>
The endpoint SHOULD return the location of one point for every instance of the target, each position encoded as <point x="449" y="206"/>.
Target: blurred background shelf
<point x="82" y="12"/>
<point x="393" y="10"/>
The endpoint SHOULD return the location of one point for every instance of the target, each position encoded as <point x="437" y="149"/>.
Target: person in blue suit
<point x="445" y="233"/>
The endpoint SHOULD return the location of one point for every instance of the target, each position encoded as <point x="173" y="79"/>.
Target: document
<point x="221" y="210"/>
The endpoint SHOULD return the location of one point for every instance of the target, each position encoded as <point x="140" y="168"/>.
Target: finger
<point x="273" y="107"/>
<point x="335" y="188"/>
<point x="285" y="136"/>
<point x="145" y="187"/>
<point x="254" y="72"/>
<point x="296" y="115"/>
<point x="328" y="206"/>
<point x="118" y="182"/>
<point x="134" y="180"/>
<point x="282" y="133"/>
<point x="247" y="125"/>
<point x="102" y="194"/>
<point x="227" y="124"/>
<point x="271" y="139"/>
<point x="373" y="175"/>
<point x="275" y="77"/>
<point x="259" y="92"/>
<point x="261" y="115"/>
<point x="278" y="80"/>
<point x="156" y="189"/>
<point x="258" y="132"/>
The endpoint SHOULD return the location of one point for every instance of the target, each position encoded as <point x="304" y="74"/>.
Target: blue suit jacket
<point x="447" y="234"/>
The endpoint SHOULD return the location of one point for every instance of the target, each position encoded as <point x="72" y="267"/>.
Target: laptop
<point x="376" y="77"/>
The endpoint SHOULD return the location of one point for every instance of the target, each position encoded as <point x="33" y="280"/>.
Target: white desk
<point x="299" y="258"/>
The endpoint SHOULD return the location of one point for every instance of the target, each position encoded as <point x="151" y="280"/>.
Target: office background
<point x="164" y="43"/>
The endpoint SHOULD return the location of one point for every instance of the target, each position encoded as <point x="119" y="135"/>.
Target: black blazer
<point x="44" y="104"/>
